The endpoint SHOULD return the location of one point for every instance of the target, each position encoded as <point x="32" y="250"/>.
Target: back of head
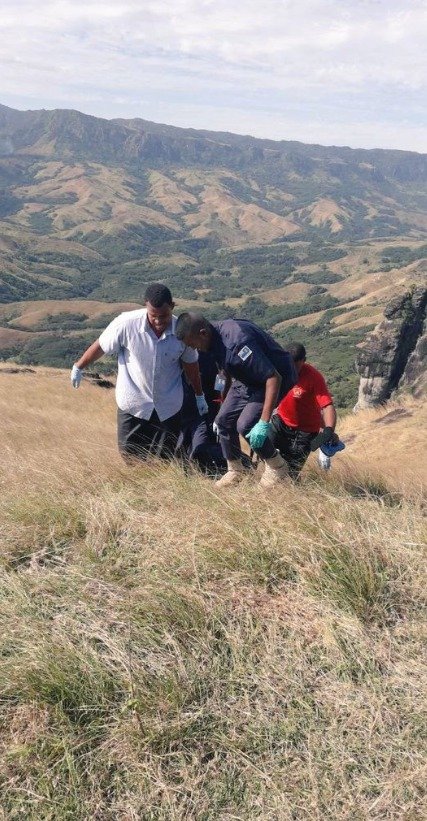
<point x="190" y="324"/>
<point x="158" y="295"/>
<point x="297" y="351"/>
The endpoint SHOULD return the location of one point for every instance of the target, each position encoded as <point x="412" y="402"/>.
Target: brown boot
<point x="235" y="473"/>
<point x="275" y="471"/>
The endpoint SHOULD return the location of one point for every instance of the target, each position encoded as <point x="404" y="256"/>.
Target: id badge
<point x="219" y="382"/>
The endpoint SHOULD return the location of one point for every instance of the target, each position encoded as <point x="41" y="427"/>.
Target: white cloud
<point x="202" y="56"/>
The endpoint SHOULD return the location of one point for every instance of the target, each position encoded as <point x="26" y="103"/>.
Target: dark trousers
<point x="197" y="444"/>
<point x="293" y="445"/>
<point x="240" y="411"/>
<point x="137" y="438"/>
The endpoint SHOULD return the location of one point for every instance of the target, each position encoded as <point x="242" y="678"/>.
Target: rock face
<point x="414" y="378"/>
<point x="394" y="355"/>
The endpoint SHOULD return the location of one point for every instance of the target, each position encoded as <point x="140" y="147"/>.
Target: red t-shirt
<point x="301" y="406"/>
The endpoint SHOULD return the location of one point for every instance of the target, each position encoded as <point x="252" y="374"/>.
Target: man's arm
<point x="329" y="416"/>
<point x="92" y="353"/>
<point x="260" y="431"/>
<point x="192" y="375"/>
<point x="272" y="387"/>
<point x="328" y="433"/>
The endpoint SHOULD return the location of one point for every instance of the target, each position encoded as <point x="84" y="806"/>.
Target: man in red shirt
<point x="306" y="416"/>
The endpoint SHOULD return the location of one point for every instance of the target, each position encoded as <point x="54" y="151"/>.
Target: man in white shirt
<point x="149" y="391"/>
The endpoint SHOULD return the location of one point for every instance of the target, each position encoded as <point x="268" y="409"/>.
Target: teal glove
<point x="258" y="434"/>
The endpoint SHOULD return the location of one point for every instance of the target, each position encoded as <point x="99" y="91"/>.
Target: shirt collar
<point x="170" y="330"/>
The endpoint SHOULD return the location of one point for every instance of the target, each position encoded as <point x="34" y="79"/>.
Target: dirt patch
<point x="350" y="438"/>
<point x="17" y="370"/>
<point x="392" y="416"/>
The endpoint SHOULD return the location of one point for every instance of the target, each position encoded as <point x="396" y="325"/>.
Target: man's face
<point x="200" y="341"/>
<point x="159" y="318"/>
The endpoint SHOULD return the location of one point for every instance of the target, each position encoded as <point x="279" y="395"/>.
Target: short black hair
<point x="158" y="295"/>
<point x="190" y="323"/>
<point x="297" y="351"/>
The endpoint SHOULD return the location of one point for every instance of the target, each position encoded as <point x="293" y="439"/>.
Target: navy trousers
<point x="197" y="443"/>
<point x="137" y="438"/>
<point x="240" y="411"/>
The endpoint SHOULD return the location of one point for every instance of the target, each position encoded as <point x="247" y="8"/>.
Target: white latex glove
<point x="76" y="376"/>
<point x="202" y="405"/>
<point x="215" y="429"/>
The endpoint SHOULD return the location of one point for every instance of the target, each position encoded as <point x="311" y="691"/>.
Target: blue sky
<point x="335" y="72"/>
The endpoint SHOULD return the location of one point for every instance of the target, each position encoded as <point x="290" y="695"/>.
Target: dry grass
<point x="172" y="653"/>
<point x="388" y="442"/>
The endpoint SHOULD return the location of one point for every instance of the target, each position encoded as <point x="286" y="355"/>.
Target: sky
<point x="334" y="72"/>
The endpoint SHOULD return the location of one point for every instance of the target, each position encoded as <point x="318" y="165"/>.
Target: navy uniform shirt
<point x="251" y="355"/>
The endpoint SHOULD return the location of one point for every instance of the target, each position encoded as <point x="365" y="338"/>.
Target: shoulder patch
<point x="244" y="353"/>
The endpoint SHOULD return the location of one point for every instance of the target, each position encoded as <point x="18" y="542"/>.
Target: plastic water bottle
<point x="324" y="461"/>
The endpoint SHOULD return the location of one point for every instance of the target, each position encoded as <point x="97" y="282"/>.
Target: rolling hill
<point x="304" y="239"/>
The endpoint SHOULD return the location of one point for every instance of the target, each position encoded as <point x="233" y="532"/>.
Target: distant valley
<point x="307" y="240"/>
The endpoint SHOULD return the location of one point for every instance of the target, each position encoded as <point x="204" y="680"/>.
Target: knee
<point x="244" y="426"/>
<point x="224" y="423"/>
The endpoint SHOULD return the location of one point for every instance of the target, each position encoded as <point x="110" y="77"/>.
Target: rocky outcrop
<point x="414" y="378"/>
<point x="394" y="354"/>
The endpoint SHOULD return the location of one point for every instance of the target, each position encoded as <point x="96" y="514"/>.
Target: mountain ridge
<point x="288" y="233"/>
<point x="9" y="116"/>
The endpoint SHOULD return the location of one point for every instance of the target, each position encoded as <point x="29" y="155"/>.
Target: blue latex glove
<point x="330" y="449"/>
<point x="259" y="433"/>
<point x="202" y="405"/>
<point x="76" y="376"/>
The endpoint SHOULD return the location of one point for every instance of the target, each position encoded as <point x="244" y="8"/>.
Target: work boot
<point x="235" y="473"/>
<point x="275" y="471"/>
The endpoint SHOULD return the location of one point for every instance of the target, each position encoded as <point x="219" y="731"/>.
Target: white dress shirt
<point x="149" y="367"/>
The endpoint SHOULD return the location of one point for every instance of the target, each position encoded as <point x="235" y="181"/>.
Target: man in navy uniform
<point x="262" y="373"/>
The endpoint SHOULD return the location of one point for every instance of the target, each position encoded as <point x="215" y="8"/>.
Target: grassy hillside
<point x="169" y="652"/>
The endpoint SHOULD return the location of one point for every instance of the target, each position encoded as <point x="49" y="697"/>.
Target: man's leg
<point x="249" y="416"/>
<point x="300" y="452"/>
<point x="166" y="434"/>
<point x="292" y="444"/>
<point x="134" y="436"/>
<point x="275" y="469"/>
<point x="226" y="421"/>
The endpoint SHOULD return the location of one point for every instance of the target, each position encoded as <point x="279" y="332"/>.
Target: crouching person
<point x="262" y="372"/>
<point x="198" y="443"/>
<point x="306" y="417"/>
